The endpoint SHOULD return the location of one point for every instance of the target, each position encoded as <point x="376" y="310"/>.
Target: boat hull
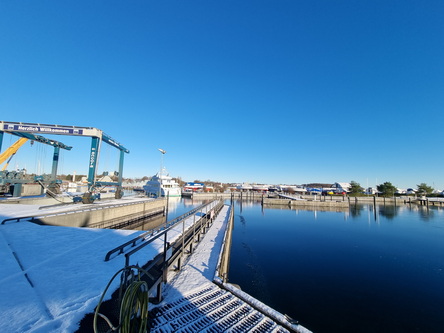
<point x="154" y="192"/>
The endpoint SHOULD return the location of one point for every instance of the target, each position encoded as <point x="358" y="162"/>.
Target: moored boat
<point x="162" y="185"/>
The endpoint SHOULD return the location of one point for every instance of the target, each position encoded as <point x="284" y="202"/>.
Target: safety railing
<point x="153" y="234"/>
<point x="175" y="248"/>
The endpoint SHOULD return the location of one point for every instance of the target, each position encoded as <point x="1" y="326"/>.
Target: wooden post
<point x="374" y="207"/>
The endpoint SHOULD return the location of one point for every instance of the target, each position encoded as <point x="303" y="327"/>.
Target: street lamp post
<point x="163" y="152"/>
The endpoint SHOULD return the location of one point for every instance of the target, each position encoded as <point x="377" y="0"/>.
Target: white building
<point x="341" y="187"/>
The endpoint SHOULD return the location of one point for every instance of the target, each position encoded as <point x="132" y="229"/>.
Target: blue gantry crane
<point x="32" y="131"/>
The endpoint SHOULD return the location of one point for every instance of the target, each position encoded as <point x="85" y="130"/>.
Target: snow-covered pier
<point x="198" y="299"/>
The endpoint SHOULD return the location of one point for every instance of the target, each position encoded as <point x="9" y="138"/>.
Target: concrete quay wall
<point x="305" y="203"/>
<point x="210" y="195"/>
<point x="101" y="213"/>
<point x="336" y="201"/>
<point x="312" y="199"/>
<point x="215" y="196"/>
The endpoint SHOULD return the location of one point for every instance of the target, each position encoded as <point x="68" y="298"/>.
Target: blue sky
<point x="235" y="91"/>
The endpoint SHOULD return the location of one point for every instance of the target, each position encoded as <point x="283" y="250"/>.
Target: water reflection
<point x="427" y="214"/>
<point x="148" y="224"/>
<point x="390" y="212"/>
<point x="355" y="210"/>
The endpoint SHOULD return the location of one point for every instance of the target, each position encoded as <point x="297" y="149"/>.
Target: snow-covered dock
<point x="50" y="277"/>
<point x="197" y="299"/>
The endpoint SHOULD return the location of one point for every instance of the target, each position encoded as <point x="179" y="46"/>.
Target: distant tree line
<point x="387" y="189"/>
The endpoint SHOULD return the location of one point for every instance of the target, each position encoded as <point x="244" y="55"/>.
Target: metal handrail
<point x="131" y="242"/>
<point x="143" y="237"/>
<point x="216" y="208"/>
<point x="179" y="250"/>
<point x="162" y="257"/>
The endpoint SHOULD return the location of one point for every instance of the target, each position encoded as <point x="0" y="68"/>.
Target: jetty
<point x="198" y="298"/>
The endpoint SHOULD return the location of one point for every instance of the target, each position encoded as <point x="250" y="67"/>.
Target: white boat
<point x="162" y="185"/>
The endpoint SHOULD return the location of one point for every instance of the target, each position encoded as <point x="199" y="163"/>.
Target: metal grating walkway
<point x="210" y="309"/>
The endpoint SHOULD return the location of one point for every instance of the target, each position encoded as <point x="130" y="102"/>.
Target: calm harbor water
<point x="178" y="206"/>
<point x="358" y="270"/>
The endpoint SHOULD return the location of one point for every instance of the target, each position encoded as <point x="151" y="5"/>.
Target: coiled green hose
<point x="133" y="308"/>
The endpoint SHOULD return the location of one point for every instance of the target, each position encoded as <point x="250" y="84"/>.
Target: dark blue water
<point x="353" y="271"/>
<point x="178" y="206"/>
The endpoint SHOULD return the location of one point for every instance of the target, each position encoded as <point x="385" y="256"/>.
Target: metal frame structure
<point x="27" y="130"/>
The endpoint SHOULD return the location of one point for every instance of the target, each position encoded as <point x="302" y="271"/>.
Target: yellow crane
<point x="10" y="152"/>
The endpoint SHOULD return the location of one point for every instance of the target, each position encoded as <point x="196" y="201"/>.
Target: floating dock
<point x="198" y="298"/>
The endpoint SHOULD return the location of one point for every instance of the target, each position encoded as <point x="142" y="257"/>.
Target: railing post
<point x="206" y="219"/>
<point x="183" y="242"/>
<point x="202" y="228"/>
<point x="194" y="230"/>
<point x="165" y="264"/>
<point x="159" y="292"/>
